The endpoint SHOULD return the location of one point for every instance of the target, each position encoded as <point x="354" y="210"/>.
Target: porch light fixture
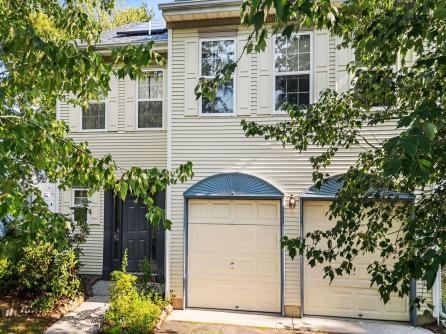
<point x="292" y="202"/>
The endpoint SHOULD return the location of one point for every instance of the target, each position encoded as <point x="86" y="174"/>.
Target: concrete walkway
<point x="306" y="324"/>
<point x="87" y="316"/>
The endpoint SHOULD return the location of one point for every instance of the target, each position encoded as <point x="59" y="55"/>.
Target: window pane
<point x="80" y="197"/>
<point x="150" y="114"/>
<point x="94" y="117"/>
<point x="223" y="102"/>
<point x="293" y="89"/>
<point x="293" y="62"/>
<point x="304" y="62"/>
<point x="215" y="55"/>
<point x="280" y="54"/>
<point x="81" y="204"/>
<point x="293" y="54"/>
<point x="81" y="214"/>
<point x="151" y="85"/>
<point x="304" y="43"/>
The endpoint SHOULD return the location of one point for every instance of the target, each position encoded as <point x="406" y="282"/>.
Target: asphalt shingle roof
<point x="137" y="32"/>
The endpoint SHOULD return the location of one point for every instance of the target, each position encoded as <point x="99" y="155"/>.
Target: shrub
<point x="146" y="283"/>
<point x="4" y="268"/>
<point x="46" y="274"/>
<point x="130" y="311"/>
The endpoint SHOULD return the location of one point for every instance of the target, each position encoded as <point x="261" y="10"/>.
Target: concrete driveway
<point x="180" y="327"/>
<point x="192" y="321"/>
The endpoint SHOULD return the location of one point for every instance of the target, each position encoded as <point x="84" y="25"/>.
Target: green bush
<point x="41" y="272"/>
<point x="147" y="286"/>
<point x="130" y="311"/>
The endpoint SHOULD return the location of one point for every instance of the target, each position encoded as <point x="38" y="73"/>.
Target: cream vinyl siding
<point x="127" y="145"/>
<point x="217" y="144"/>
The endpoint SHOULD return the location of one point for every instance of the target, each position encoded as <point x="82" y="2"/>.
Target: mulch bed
<point x="14" y="307"/>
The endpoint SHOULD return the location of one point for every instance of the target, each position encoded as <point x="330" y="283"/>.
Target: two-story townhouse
<point x="130" y="124"/>
<point x="223" y="251"/>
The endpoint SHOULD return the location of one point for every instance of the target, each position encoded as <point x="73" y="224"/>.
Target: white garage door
<point x="348" y="296"/>
<point x="234" y="255"/>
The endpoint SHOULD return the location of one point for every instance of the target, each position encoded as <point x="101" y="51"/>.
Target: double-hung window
<point x="93" y="118"/>
<point x="292" y="69"/>
<point x="215" y="54"/>
<point x="80" y="204"/>
<point x="150" y="100"/>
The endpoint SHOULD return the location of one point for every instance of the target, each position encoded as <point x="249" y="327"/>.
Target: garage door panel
<point x="268" y="240"/>
<point x="238" y="265"/>
<point x="220" y="212"/>
<point x="350" y="295"/>
<point x="245" y="212"/>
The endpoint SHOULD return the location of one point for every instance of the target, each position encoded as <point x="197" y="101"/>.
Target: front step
<point x="101" y="288"/>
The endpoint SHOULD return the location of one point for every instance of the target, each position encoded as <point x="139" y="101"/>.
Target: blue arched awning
<point x="332" y="185"/>
<point x="233" y="185"/>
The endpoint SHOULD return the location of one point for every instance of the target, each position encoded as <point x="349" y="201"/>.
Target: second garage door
<point x="348" y="296"/>
<point x="234" y="255"/>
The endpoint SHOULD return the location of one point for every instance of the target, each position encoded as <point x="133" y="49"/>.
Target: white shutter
<point x="75" y="118"/>
<point x="343" y="57"/>
<point x="65" y="201"/>
<point x="410" y="58"/>
<point x="321" y="64"/>
<point x="191" y="76"/>
<point x="265" y="83"/>
<point x="95" y="207"/>
<point x="130" y="104"/>
<point x="244" y="79"/>
<point x="112" y="105"/>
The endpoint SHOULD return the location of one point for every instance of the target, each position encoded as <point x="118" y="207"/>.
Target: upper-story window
<point x="292" y="65"/>
<point x="80" y="204"/>
<point x="150" y="100"/>
<point x="215" y="54"/>
<point x="94" y="117"/>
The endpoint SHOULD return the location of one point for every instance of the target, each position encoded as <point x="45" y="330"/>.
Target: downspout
<point x="302" y="258"/>
<point x="413" y="289"/>
<point x="169" y="163"/>
<point x="56" y="185"/>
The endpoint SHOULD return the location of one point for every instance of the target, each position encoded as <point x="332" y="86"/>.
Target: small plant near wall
<point x="134" y="307"/>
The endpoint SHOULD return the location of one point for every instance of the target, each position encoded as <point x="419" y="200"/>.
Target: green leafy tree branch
<point x="48" y="54"/>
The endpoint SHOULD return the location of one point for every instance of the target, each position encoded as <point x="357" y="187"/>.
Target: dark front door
<point x="136" y="236"/>
<point x="127" y="228"/>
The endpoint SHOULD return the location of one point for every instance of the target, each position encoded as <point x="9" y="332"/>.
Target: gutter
<point x="161" y="44"/>
<point x="198" y="4"/>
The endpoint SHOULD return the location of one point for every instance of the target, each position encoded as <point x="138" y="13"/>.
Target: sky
<point x="151" y="4"/>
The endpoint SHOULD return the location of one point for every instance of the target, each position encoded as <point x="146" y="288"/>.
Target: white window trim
<point x="74" y="205"/>
<point x="234" y="95"/>
<point x="105" y="101"/>
<point x="275" y="73"/>
<point x="162" y="100"/>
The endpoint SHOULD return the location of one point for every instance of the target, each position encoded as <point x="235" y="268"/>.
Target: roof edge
<point x="197" y="4"/>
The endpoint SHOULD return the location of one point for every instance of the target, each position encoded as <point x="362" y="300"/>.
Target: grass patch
<point x="25" y="324"/>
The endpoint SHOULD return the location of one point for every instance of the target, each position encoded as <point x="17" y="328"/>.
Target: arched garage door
<point x="349" y="296"/>
<point x="234" y="257"/>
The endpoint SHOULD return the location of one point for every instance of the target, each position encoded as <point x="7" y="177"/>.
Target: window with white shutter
<point x="292" y="69"/>
<point x="150" y="100"/>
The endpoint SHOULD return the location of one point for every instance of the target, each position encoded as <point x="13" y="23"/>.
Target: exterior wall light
<point x="292" y="202"/>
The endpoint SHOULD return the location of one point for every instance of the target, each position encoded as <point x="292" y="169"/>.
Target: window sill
<point x="92" y="130"/>
<point x="150" y="129"/>
<point x="227" y="115"/>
